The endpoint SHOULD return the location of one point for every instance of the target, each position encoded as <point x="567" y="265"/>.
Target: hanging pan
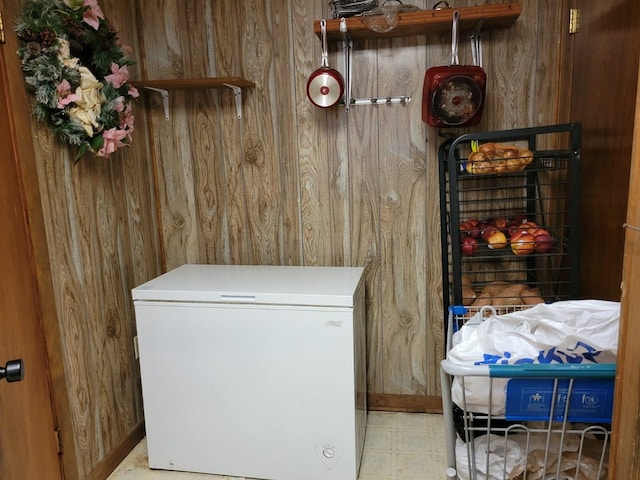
<point x="325" y="86"/>
<point x="453" y="96"/>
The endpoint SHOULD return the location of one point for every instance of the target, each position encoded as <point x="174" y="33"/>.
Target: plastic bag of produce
<point x="572" y="331"/>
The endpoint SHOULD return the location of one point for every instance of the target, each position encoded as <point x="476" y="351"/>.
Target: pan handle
<point x="454" y="39"/>
<point x="323" y="34"/>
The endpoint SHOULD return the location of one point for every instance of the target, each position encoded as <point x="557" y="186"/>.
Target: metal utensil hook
<point x="348" y="67"/>
<point x="348" y="57"/>
<point x="476" y="44"/>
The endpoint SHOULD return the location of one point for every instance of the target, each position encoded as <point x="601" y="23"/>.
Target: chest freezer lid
<point x="275" y="285"/>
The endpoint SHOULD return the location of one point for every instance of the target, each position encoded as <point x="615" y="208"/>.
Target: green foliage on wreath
<point x="75" y="65"/>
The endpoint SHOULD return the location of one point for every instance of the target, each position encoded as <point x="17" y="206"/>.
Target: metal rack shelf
<point x="546" y="192"/>
<point x="428" y="21"/>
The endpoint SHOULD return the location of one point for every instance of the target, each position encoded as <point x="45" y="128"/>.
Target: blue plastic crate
<point x="531" y="399"/>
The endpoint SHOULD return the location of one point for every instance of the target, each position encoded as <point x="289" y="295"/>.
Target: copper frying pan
<point x="453" y="96"/>
<point x="325" y="86"/>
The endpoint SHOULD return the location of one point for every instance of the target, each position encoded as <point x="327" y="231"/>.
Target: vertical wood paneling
<point x="260" y="159"/>
<point x="228" y="155"/>
<point x="402" y="198"/>
<point x="314" y="137"/>
<point x="364" y="174"/>
<point x="61" y="216"/>
<point x="201" y="121"/>
<point x="438" y="52"/>
<point x="323" y="187"/>
<point x="288" y="183"/>
<point x="99" y="217"/>
<point x="285" y="107"/>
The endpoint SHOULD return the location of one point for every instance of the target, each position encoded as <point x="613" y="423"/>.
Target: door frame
<point x="21" y="127"/>
<point x="623" y="462"/>
<point x="625" y="441"/>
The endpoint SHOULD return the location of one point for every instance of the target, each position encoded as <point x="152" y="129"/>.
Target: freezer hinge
<point x="574" y="20"/>
<point x="1" y="29"/>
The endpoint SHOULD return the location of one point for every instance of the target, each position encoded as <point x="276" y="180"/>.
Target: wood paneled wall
<point x="288" y="183"/>
<point x="293" y="184"/>
<point x="101" y="235"/>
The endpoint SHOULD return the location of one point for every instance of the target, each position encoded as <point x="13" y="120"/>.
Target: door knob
<point x="13" y="371"/>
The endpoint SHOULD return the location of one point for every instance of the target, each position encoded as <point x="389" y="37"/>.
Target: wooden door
<point x="624" y="462"/>
<point x="28" y="445"/>
<point x="604" y="61"/>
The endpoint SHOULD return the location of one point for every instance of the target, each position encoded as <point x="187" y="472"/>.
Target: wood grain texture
<point x="402" y="213"/>
<point x="624" y="458"/>
<point x="99" y="218"/>
<point x="27" y="410"/>
<point x="288" y="183"/>
<point x="28" y="161"/>
<point x="428" y="20"/>
<point x="609" y="32"/>
<point x="292" y="183"/>
<point x="364" y="175"/>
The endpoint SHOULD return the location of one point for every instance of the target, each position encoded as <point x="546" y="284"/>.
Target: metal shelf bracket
<point x="165" y="99"/>
<point x="237" y="92"/>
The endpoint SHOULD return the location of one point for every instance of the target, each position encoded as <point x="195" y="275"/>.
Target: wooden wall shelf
<point x="162" y="86"/>
<point x="191" y="83"/>
<point x="423" y="22"/>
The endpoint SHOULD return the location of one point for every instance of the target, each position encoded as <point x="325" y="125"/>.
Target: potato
<point x="468" y="295"/>
<point x="482" y="300"/>
<point x="509" y="295"/>
<point x="493" y="289"/>
<point x="531" y="296"/>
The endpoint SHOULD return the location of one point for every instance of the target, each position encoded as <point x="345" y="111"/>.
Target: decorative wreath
<point x="74" y="61"/>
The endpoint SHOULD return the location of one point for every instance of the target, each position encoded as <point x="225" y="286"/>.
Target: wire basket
<point x="349" y="8"/>
<point x="555" y="442"/>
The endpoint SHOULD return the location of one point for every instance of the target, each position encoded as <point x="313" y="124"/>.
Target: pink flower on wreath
<point x="64" y="92"/>
<point x="119" y="75"/>
<point x="112" y="141"/>
<point x="133" y="91"/>
<point x="93" y="14"/>
<point x="126" y="120"/>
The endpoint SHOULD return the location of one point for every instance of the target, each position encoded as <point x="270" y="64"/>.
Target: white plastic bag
<point x="504" y="455"/>
<point x="509" y="455"/>
<point x="572" y="331"/>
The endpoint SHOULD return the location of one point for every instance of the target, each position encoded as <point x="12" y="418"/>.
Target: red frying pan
<point x="325" y="86"/>
<point x="453" y="96"/>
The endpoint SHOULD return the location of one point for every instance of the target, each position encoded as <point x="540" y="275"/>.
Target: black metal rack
<point x="545" y="191"/>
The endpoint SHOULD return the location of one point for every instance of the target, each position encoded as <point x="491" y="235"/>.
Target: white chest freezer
<point x="254" y="371"/>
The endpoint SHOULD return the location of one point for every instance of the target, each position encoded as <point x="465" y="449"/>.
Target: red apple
<point x="488" y="231"/>
<point x="517" y="235"/>
<point x="520" y="218"/>
<point x="496" y="240"/>
<point x="529" y="226"/>
<point x="539" y="231"/>
<point x="523" y="243"/>
<point x="500" y="223"/>
<point x="469" y="246"/>
<point x="464" y="229"/>
<point x="544" y="243"/>
<point x="482" y="224"/>
<point x="474" y="230"/>
<point x="513" y="229"/>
